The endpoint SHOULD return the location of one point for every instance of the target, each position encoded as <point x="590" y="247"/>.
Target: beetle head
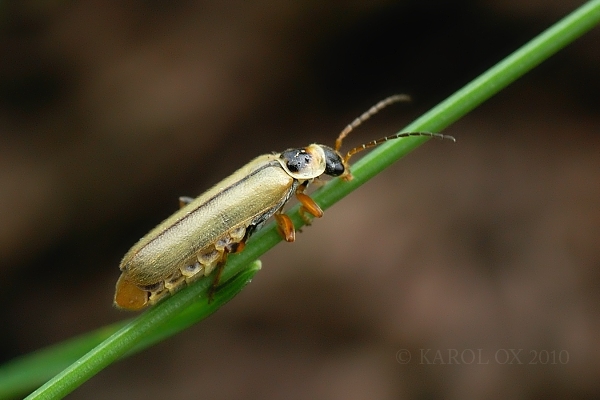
<point x="334" y="163"/>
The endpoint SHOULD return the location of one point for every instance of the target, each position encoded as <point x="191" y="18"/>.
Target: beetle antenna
<point x="368" y="114"/>
<point x="374" y="143"/>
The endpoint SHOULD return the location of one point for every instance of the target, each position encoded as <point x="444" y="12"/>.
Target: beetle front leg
<point x="308" y="205"/>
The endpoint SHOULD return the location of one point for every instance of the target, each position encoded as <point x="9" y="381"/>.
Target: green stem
<point x="189" y="306"/>
<point x="470" y="96"/>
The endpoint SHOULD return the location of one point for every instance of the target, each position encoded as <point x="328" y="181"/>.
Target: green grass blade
<point x="467" y="98"/>
<point x="111" y="343"/>
<point x="22" y="374"/>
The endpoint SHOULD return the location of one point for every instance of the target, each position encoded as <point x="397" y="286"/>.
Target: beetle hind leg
<point x="216" y="279"/>
<point x="233" y="243"/>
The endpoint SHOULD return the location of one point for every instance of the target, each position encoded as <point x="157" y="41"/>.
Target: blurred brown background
<point x="111" y="110"/>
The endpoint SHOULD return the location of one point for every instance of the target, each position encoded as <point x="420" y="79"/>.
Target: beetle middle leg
<point x="285" y="226"/>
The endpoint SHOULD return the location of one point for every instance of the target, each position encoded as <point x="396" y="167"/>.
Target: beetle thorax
<point x="304" y="163"/>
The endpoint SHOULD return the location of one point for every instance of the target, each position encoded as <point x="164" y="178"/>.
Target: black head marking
<point x="296" y="159"/>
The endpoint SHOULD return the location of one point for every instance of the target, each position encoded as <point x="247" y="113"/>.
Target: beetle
<point x="195" y="241"/>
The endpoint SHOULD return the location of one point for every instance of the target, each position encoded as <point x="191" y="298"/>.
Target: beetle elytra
<point x="195" y="240"/>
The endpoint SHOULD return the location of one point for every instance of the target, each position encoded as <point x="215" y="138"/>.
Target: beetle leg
<point x="239" y="247"/>
<point x="308" y="205"/>
<point x="184" y="201"/>
<point x="285" y="226"/>
<point x="217" y="278"/>
<point x="231" y="248"/>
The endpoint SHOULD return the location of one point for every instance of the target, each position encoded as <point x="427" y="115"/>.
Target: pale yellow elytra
<point x="195" y="241"/>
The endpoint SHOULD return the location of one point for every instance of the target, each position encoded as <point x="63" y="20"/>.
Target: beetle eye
<point x="334" y="166"/>
<point x="296" y="159"/>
